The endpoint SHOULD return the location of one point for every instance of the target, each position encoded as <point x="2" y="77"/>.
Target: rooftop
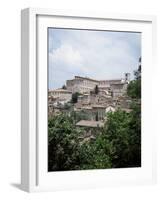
<point x="98" y="81"/>
<point x="117" y="83"/>
<point x="86" y="107"/>
<point x="87" y="123"/>
<point x="60" y="90"/>
<point x="98" y="106"/>
<point x="81" y="77"/>
<point x="110" y="80"/>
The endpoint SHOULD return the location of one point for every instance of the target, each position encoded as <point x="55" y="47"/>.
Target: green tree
<point x="123" y="130"/>
<point x="67" y="152"/>
<point x="95" y="154"/>
<point x="62" y="144"/>
<point x="134" y="87"/>
<point x="64" y="87"/>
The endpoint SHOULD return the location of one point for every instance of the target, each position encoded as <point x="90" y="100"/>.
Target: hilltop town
<point x="90" y="98"/>
<point x="94" y="100"/>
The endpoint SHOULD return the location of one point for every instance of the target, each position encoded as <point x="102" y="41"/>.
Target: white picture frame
<point x="34" y="176"/>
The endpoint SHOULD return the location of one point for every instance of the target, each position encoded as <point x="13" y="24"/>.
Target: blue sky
<point x="95" y="54"/>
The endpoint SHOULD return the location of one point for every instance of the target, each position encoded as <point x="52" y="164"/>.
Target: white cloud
<point x="66" y="54"/>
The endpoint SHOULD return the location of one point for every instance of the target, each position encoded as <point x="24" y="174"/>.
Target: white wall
<point x="10" y="98"/>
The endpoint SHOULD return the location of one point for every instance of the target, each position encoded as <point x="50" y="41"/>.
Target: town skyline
<point x="81" y="53"/>
<point x="122" y="79"/>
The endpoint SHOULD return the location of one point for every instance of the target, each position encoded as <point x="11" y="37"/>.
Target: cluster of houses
<point x="95" y="99"/>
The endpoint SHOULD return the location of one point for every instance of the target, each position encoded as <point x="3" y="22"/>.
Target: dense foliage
<point x="134" y="87"/>
<point x="123" y="131"/>
<point x="62" y="144"/>
<point x="118" y="144"/>
<point x="66" y="151"/>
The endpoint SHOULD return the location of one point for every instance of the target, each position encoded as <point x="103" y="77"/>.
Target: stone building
<point x="84" y="99"/>
<point x="91" y="124"/>
<point x="93" y="112"/>
<point x="83" y="85"/>
<point x="60" y="95"/>
<point x="118" y="89"/>
<point x="91" y="104"/>
<point x="90" y="99"/>
<point x="110" y="108"/>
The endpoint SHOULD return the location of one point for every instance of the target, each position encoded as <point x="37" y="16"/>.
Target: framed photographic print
<point x="86" y="102"/>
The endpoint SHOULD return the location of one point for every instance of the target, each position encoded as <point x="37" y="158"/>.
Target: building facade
<point x="60" y="95"/>
<point x="81" y="84"/>
<point x="84" y="85"/>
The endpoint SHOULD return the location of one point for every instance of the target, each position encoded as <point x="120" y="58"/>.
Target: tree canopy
<point x="123" y="131"/>
<point x="64" y="87"/>
<point x="134" y="87"/>
<point x="117" y="144"/>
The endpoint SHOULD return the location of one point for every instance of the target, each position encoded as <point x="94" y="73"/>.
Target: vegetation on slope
<point x="116" y="145"/>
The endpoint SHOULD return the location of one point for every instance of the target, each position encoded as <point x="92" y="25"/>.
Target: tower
<point x="127" y="77"/>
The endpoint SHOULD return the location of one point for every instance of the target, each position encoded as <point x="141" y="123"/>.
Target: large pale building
<point x="84" y="85"/>
<point x="81" y="84"/>
<point x="60" y="94"/>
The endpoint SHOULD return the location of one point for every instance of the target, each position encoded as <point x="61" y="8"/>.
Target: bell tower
<point x="127" y="77"/>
